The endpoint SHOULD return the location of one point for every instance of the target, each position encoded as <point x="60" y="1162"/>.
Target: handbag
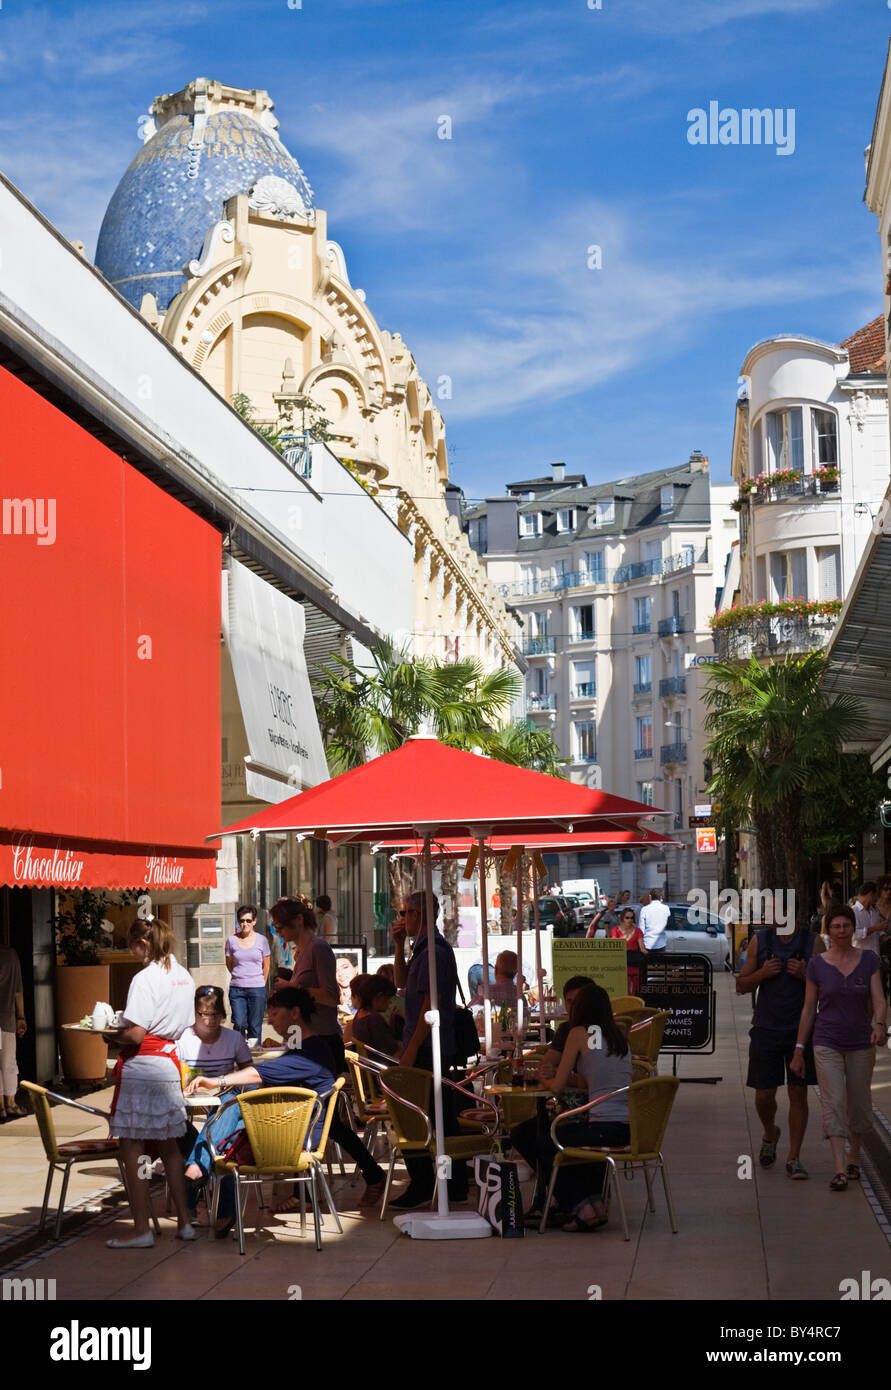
<point x="467" y="1042"/>
<point x="501" y="1200"/>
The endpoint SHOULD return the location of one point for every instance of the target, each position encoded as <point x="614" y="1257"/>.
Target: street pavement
<point x="746" y="1233"/>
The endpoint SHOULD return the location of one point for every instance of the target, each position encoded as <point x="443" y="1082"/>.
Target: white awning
<point x="264" y="632"/>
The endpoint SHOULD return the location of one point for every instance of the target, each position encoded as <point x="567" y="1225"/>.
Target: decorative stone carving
<point x="860" y="409"/>
<point x="220" y="231"/>
<point x="277" y="198"/>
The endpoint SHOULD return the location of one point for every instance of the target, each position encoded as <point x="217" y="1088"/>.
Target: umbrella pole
<point x="536" y="916"/>
<point x="484" y="930"/>
<point x="518" y="874"/>
<point x="442" y="1163"/>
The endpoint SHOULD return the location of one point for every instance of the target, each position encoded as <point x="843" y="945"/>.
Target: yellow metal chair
<point x="640" y="1069"/>
<point x="646" y="1036"/>
<point x="63" y="1157"/>
<point x="626" y="1003"/>
<point x="278" y="1122"/>
<point x="369" y="1105"/>
<point x="649" y="1107"/>
<point x="408" y="1093"/>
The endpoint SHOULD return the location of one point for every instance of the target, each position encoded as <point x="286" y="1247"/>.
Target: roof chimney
<point x="698" y="462"/>
<point x="558" y="472"/>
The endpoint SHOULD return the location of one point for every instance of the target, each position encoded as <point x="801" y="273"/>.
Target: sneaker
<point x="187" y="1233"/>
<point x="768" y="1155"/>
<point x="253" y="1042"/>
<point x="796" y="1171"/>
<point x="373" y="1193"/>
<point x="134" y="1243"/>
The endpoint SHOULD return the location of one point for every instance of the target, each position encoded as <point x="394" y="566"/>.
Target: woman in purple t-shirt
<point x="247" y="960"/>
<point x="845" y="996"/>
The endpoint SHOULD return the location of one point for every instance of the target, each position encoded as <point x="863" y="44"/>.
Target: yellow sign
<point x="604" y="962"/>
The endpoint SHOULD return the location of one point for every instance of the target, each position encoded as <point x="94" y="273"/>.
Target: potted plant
<point x="81" y="981"/>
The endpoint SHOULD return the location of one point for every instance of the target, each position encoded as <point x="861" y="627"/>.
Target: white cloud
<point x="543" y="327"/>
<point x="693" y="16"/>
<point x="93" y="41"/>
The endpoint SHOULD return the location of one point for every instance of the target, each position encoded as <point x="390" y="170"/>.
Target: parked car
<point x="584" y="911"/>
<point x="585" y="904"/>
<point x="704" y="934"/>
<point x="556" y="913"/>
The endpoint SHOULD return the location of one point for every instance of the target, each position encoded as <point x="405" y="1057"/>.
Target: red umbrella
<point x="426" y="789"/>
<point x="426" y="786"/>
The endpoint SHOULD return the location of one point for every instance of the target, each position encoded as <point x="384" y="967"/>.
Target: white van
<point x="587" y="890"/>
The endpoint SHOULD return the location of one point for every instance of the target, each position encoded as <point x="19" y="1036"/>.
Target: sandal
<point x="577" y="1227"/>
<point x="853" y="1173"/>
<point x="768" y="1154"/>
<point x="839" y="1182"/>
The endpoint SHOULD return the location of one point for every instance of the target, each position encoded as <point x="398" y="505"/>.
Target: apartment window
<point x="761" y="577"/>
<point x="645" y="793"/>
<point x="566" y="519"/>
<point x="538" y="624"/>
<point x="642" y="615"/>
<point x="530" y="524"/>
<point x="529" y="579"/>
<point x="594" y="566"/>
<point x="666" y="498"/>
<point x="605" y="511"/>
<point x="581" y="621"/>
<point x="756" y="452"/>
<point x="675" y="603"/>
<point x="479" y="535"/>
<point x="559" y="568"/>
<point x="643" y="673"/>
<point x="678" y="803"/>
<point x="785" y="440"/>
<point x="583" y="680"/>
<point x="586" y="741"/>
<point x="825" y="436"/>
<point x="828" y="571"/>
<point x="788" y="573"/>
<point x="644" y="731"/>
<point x="654" y="553"/>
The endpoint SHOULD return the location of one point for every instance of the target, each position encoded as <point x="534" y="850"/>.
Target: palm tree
<point x="776" y="742"/>
<point x="364" y="712"/>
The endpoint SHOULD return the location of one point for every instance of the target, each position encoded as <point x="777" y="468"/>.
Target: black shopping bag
<point x="501" y="1200"/>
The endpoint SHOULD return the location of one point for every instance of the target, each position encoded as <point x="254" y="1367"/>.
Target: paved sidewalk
<point x="740" y="1237"/>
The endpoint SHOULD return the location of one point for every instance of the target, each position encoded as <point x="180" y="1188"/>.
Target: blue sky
<point x="569" y="129"/>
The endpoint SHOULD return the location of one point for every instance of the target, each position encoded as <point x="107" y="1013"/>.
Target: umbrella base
<point x="454" y="1225"/>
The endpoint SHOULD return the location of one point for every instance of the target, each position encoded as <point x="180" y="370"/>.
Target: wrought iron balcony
<point x="642" y="753"/>
<point x="538" y="704"/>
<point x="643" y="687"/>
<point x="673" y="753"/>
<point x="539" y="646"/>
<point x="638" y="628"/>
<point x="587" y="634"/>
<point x="586" y="757"/>
<point x="668" y="626"/>
<point x="773" y="635"/>
<point x="673" y="685"/>
<point x="641" y="570"/>
<point x="804" y="486"/>
<point x="585" y="690"/>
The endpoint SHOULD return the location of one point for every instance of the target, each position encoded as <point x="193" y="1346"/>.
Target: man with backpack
<point x="775" y="967"/>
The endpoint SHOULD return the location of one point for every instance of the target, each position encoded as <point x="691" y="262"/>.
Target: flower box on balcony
<point x="783" y="608"/>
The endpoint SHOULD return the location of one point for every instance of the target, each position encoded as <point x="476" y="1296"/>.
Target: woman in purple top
<point x="247" y="960"/>
<point x="845" y="996"/>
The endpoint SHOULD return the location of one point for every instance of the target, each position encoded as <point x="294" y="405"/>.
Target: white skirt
<point x="150" y="1101"/>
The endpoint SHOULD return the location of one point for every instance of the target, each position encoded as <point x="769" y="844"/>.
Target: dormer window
<point x="530" y="525"/>
<point x="566" y="519"/>
<point x="666" y="498"/>
<point x="605" y="511"/>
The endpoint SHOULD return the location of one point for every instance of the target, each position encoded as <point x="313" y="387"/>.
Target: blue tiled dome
<point x="171" y="194"/>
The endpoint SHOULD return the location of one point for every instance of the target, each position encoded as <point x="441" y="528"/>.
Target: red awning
<point x="110" y="698"/>
<point x="426" y="785"/>
<point x="38" y="861"/>
<point x="639" y="838"/>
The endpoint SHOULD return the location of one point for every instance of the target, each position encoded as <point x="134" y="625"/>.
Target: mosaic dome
<point x="176" y="187"/>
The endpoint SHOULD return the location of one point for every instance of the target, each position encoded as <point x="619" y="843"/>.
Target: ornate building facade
<point x="214" y="235"/>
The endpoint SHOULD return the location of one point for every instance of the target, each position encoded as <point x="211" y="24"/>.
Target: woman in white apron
<point x="148" y="1108"/>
